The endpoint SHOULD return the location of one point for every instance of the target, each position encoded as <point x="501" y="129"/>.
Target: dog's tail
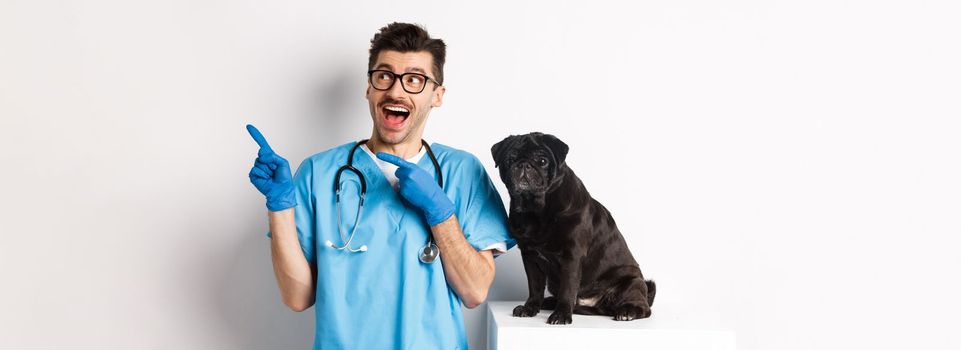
<point x="651" y="290"/>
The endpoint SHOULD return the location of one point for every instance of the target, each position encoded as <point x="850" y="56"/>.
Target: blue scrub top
<point x="385" y="298"/>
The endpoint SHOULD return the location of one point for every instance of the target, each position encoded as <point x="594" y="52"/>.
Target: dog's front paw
<point x="525" y="311"/>
<point x="629" y="312"/>
<point x="560" y="317"/>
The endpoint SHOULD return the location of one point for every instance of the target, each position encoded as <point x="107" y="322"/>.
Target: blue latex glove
<point x="420" y="189"/>
<point x="271" y="175"/>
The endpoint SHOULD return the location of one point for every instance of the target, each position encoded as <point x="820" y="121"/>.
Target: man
<point x="362" y="271"/>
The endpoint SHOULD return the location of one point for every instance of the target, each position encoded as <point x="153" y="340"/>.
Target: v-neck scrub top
<point x="385" y="298"/>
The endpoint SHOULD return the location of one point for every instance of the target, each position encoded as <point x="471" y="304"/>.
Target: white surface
<point x="791" y="164"/>
<point x="671" y="327"/>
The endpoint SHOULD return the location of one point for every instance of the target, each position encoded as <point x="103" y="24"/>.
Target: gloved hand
<point x="420" y="189"/>
<point x="271" y="175"/>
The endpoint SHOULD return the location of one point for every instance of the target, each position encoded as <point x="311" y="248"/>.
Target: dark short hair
<point x="406" y="37"/>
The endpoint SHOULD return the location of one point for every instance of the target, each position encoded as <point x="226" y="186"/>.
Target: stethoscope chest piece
<point x="429" y="253"/>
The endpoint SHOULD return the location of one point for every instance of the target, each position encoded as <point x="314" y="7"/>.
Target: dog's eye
<point x="542" y="161"/>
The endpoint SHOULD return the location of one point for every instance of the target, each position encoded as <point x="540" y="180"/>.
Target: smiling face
<point x="399" y="116"/>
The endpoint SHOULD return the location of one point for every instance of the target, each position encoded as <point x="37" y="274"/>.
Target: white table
<point x="671" y="327"/>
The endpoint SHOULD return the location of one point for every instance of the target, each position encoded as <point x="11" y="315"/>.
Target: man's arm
<point x="271" y="176"/>
<point x="468" y="271"/>
<point x="294" y="275"/>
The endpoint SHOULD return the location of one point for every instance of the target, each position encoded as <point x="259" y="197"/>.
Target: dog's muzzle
<point x="526" y="177"/>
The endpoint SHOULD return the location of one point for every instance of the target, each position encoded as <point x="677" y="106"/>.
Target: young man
<point x="368" y="270"/>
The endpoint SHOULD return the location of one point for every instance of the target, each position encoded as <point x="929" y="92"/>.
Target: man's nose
<point x="397" y="90"/>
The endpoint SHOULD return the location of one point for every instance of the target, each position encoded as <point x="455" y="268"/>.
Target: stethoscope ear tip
<point x="329" y="243"/>
<point x="363" y="248"/>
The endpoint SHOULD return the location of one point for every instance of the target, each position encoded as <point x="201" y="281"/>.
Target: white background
<point x="789" y="168"/>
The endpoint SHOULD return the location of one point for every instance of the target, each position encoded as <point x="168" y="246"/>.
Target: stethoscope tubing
<point x="430" y="251"/>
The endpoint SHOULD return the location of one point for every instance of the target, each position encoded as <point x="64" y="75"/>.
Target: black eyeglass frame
<point x="399" y="77"/>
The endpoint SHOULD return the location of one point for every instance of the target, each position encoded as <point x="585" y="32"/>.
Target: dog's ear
<point x="499" y="150"/>
<point x="558" y="147"/>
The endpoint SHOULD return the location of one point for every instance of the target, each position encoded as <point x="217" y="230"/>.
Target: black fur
<point x="568" y="241"/>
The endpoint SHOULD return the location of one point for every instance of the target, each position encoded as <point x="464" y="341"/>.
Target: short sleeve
<point x="304" y="210"/>
<point x="480" y="209"/>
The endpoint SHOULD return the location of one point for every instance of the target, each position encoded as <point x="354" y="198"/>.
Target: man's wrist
<point x="445" y="225"/>
<point x="440" y="217"/>
<point x="280" y="214"/>
<point x="282" y="199"/>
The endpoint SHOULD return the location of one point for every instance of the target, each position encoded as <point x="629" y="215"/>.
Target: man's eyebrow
<point x="391" y="68"/>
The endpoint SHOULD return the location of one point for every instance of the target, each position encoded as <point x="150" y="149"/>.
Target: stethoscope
<point x="430" y="251"/>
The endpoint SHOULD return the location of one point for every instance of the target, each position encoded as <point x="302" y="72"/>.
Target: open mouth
<point x="395" y="115"/>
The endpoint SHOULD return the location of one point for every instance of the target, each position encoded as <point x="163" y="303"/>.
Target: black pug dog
<point x="567" y="239"/>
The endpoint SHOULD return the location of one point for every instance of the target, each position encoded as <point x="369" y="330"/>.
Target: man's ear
<point x="499" y="149"/>
<point x="558" y="147"/>
<point x="438" y="98"/>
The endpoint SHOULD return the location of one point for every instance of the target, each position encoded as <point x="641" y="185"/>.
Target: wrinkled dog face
<point x="530" y="166"/>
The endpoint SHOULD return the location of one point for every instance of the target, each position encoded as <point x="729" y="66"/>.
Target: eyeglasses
<point x="413" y="83"/>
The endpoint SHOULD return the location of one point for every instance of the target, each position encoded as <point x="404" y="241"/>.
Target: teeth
<point x="397" y="109"/>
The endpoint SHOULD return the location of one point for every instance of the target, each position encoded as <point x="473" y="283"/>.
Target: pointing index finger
<point x="258" y="137"/>
<point x="392" y="159"/>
